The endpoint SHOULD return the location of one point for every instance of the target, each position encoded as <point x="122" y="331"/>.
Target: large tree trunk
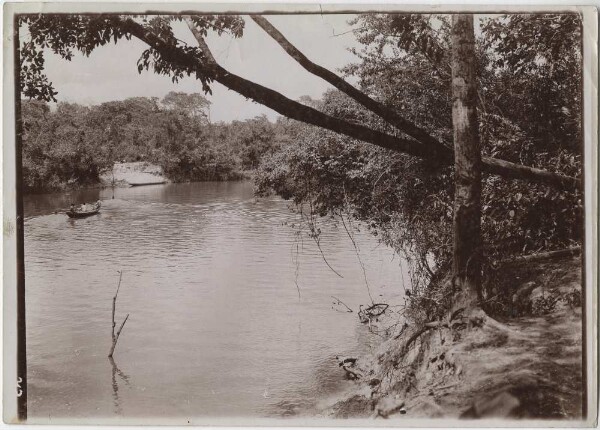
<point x="467" y="159"/>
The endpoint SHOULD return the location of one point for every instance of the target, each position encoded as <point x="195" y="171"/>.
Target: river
<point x="228" y="317"/>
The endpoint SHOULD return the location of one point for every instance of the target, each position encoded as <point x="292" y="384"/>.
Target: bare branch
<point x="518" y="171"/>
<point x="339" y="302"/>
<point x="201" y="42"/>
<point x="532" y="258"/>
<point x="116" y="338"/>
<point x="114" y="304"/>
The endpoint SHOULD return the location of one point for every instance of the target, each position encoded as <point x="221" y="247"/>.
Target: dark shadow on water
<point x="115" y="385"/>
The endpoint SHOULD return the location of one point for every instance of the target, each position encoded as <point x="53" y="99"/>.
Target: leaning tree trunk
<point x="467" y="160"/>
<point x="294" y="110"/>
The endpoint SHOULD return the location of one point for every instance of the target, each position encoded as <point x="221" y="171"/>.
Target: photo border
<point x="13" y="321"/>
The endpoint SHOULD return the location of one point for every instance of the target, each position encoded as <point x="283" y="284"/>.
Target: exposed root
<point x="339" y="302"/>
<point x="468" y="364"/>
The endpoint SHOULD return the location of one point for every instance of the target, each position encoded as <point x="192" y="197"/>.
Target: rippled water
<point x="216" y="326"/>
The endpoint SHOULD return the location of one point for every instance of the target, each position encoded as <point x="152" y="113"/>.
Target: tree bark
<point x="467" y="159"/>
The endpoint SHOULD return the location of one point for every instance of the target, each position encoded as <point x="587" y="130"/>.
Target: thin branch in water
<point x="339" y="302"/>
<point x="402" y="274"/>
<point x="115" y="337"/>
<point x="112" y="349"/>
<point x="311" y="223"/>
<point x="362" y="266"/>
<point x="114" y="305"/>
<point x="325" y="259"/>
<point x="296" y="259"/>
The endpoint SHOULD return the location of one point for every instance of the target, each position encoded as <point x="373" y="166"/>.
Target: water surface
<point x="226" y="318"/>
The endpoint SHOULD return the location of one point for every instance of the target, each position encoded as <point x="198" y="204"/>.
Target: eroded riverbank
<point x="528" y="366"/>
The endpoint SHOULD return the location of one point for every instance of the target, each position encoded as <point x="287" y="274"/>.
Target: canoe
<point x="139" y="184"/>
<point x="78" y="213"/>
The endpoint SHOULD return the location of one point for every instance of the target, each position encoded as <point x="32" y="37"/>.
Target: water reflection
<point x="115" y="385"/>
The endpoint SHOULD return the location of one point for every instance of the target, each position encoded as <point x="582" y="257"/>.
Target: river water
<point x="230" y="315"/>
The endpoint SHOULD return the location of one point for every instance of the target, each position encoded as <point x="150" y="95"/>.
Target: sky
<point x="110" y="72"/>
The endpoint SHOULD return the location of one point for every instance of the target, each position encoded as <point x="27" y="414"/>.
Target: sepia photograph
<point x="260" y="214"/>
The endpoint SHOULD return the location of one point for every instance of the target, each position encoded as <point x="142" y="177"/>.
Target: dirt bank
<point x="523" y="363"/>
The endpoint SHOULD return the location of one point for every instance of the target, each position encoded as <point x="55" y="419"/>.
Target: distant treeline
<point x="71" y="145"/>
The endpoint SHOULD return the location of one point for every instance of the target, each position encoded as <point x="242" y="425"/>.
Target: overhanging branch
<point x="297" y="111"/>
<point x="374" y="106"/>
<point x="490" y="165"/>
<point x="272" y="99"/>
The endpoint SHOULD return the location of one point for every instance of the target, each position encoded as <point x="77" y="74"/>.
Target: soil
<point x="505" y="366"/>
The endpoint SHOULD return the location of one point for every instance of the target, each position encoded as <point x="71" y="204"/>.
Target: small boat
<point x="139" y="184"/>
<point x="84" y="210"/>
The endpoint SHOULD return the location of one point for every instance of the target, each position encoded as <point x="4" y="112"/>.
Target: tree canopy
<point x="72" y="145"/>
<point x="167" y="55"/>
<point x="334" y="154"/>
<point x="407" y="202"/>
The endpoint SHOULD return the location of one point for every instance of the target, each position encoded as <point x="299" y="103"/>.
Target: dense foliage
<point x="65" y="34"/>
<point x="73" y="144"/>
<point x="529" y="104"/>
<point x="529" y="110"/>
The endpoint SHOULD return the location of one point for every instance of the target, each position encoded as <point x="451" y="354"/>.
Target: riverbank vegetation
<point x="529" y="112"/>
<point x="408" y="202"/>
<point x="71" y="145"/>
<point x="459" y="149"/>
